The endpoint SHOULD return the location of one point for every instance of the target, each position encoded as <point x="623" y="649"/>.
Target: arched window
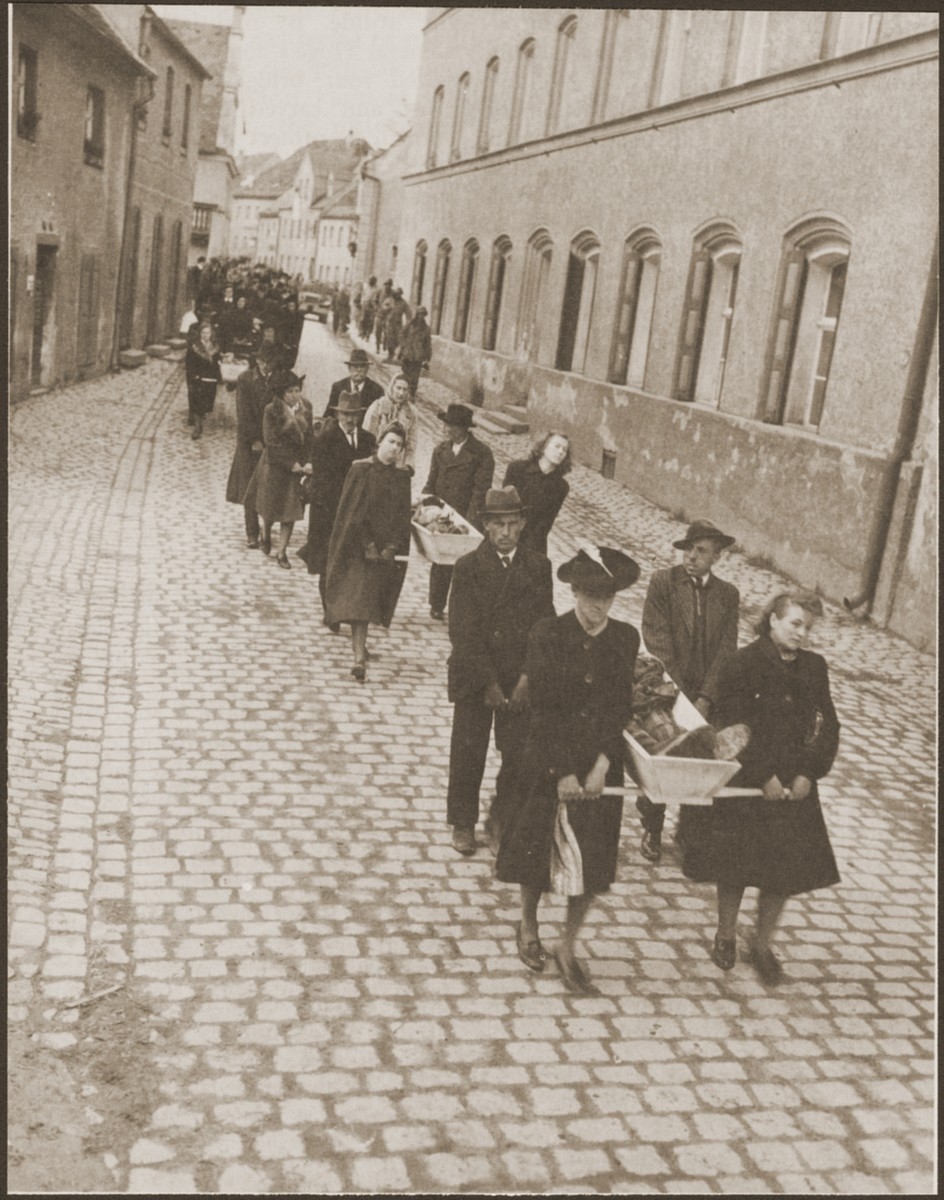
<point x="439" y="285"/>
<point x="642" y="257"/>
<point x="612" y="18"/>
<point x="488" y="96"/>
<point x="522" y="90"/>
<point x="168" y="102"/>
<point x="501" y="255"/>
<point x="707" y="315"/>
<point x="803" y="332"/>
<point x="747" y="46"/>
<point x="537" y="269"/>
<point x="419" y="273"/>
<point x="669" y="67"/>
<point x="458" y="120"/>
<point x="566" y="32"/>
<point x="435" y="121"/>
<point x="577" y="308"/>
<point x="467" y="276"/>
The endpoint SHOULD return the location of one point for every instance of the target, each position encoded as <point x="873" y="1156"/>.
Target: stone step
<point x="177" y="343"/>
<point x="132" y="358"/>
<point x="506" y="421"/>
<point x="157" y="350"/>
<point x="486" y="424"/>
<point x="517" y="410"/>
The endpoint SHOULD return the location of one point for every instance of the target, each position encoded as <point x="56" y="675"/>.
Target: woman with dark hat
<point x="563" y="835"/>
<point x="202" y="368"/>
<point x="274" y="486"/>
<point x="541" y="485"/>
<point x="777" y="843"/>
<point x="371" y="529"/>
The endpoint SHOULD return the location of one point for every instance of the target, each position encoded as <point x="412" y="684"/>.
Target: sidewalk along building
<point x="163" y="170"/>
<point x="218" y="48"/>
<point x="75" y="80"/>
<point x="704" y="245"/>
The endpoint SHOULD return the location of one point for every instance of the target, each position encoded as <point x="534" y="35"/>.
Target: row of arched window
<point x="809" y="293"/>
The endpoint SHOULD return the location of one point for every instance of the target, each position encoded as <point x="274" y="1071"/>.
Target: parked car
<point x="314" y="302"/>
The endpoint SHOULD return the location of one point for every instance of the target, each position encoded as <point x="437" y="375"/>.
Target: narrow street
<point x="243" y="953"/>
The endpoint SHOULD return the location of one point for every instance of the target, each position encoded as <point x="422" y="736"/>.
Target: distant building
<point x="218" y="47"/>
<point x="244" y="221"/>
<point x="76" y="79"/>
<point x="380" y="210"/>
<point x="335" y="218"/>
<point x="703" y="243"/>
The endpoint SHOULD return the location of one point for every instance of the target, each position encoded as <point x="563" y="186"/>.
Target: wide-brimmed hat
<point x="359" y="358"/>
<point x="348" y="402"/>
<point x="703" y="529"/>
<point x="457" y="414"/>
<point x="501" y="502"/>
<point x="599" y="569"/>
<point x="283" y="380"/>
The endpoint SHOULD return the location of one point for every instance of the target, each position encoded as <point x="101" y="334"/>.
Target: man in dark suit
<point x="460" y="472"/>
<point x="499" y="592"/>
<point x="356" y="384"/>
<point x="340" y="443"/>
<point x="251" y="399"/>
<point x="689" y="622"/>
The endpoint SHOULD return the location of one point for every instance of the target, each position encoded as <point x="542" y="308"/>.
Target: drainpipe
<point x="124" y="265"/>
<point x="904" y="441"/>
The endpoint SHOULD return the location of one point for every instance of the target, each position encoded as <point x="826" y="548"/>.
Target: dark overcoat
<point x="581" y="693"/>
<point x="374" y="510"/>
<point x="542" y="495"/>
<point x="491" y="612"/>
<point x="203" y="375"/>
<point x="273" y="488"/>
<point x="778" y="845"/>
<point x="250" y="409"/>
<point x="668" y="625"/>
<point x="331" y="460"/>
<point x="370" y="392"/>
<point x="462" y="479"/>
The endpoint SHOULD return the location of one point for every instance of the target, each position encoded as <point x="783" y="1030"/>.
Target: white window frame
<point x="812" y="324"/>
<point x="719" y="311"/>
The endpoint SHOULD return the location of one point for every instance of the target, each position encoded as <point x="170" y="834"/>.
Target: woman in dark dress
<point x="779" y="843"/>
<point x="563" y="836"/>
<point x="542" y="487"/>
<point x="202" y="368"/>
<point x="371" y="528"/>
<point x="274" y="486"/>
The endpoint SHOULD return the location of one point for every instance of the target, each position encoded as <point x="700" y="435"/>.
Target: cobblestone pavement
<point x="312" y="992"/>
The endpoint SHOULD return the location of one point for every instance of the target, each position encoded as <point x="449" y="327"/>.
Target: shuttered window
<point x="87" y="335"/>
<point x="501" y="253"/>
<point x="693" y="319"/>
<point x="439" y="286"/>
<point x="434" y="122"/>
<point x="419" y="273"/>
<point x="629" y="351"/>
<point x="467" y="277"/>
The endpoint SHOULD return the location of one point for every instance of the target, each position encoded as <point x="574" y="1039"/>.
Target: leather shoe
<point x="575" y="978"/>
<point x="282" y="560"/>
<point x="651" y="846"/>
<point x="252" y="543"/>
<point x="266" y="544"/>
<point x="531" y="953"/>
<point x="359" y="671"/>
<point x="437" y="614"/>
<point x="766" y="966"/>
<point x="463" y="839"/>
<point x="493" y="834"/>
<point x="724" y="952"/>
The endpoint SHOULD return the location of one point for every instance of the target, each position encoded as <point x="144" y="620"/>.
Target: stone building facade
<point x="75" y="82"/>
<point x="380" y="211"/>
<point x="702" y="243"/>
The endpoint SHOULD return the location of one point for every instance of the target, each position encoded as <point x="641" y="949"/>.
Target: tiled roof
<point x="252" y="165"/>
<point x="209" y="43"/>
<point x="91" y="16"/>
<point x="336" y="156"/>
<point x="163" y="27"/>
<point x="343" y="204"/>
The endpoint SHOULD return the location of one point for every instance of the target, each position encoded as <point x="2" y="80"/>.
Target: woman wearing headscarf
<point x="541" y="485"/>
<point x="202" y="368"/>
<point x="274" y="486"/>
<point x="777" y="842"/>
<point x="563" y="835"/>
<point x="371" y="529"/>
<point x="397" y="406"/>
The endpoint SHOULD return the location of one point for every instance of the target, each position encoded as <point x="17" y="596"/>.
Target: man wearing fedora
<point x="690" y="623"/>
<point x="340" y="444"/>
<point x="499" y="592"/>
<point x="460" y="472"/>
<point x="365" y="390"/>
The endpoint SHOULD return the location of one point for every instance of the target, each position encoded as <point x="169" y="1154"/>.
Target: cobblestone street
<point x="238" y="929"/>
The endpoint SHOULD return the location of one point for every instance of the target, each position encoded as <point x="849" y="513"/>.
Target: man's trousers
<point x="471" y="730"/>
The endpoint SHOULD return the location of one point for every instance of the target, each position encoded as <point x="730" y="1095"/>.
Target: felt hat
<point x="420" y="312"/>
<point x="283" y="380"/>
<point x="502" y="502"/>
<point x="348" y="402"/>
<point x="359" y="358"/>
<point x="599" y="570"/>
<point x="457" y="414"/>
<point x="703" y="529"/>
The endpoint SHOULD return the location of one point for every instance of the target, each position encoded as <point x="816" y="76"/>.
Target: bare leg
<point x="285" y="535"/>
<point x="359" y="642"/>
<point x="530" y="898"/>
<point x="769" y="907"/>
<point x="729" y="904"/>
<point x="577" y="909"/>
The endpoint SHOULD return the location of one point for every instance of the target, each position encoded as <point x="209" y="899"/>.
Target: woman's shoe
<point x="266" y="544"/>
<point x="724" y="953"/>
<point x="531" y="953"/>
<point x="197" y="429"/>
<point x="359" y="671"/>
<point x="252" y="543"/>
<point x="575" y="978"/>
<point x="282" y="560"/>
<point x="766" y="966"/>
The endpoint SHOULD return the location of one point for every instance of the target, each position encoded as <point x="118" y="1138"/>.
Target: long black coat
<point x="779" y="845"/>
<point x="273" y="488"/>
<point x="250" y="408"/>
<point x="462" y="479"/>
<point x="374" y="509"/>
<point x="542" y="495"/>
<point x="581" y="691"/>
<point x="331" y="460"/>
<point x="203" y="374"/>
<point x="491" y="612"/>
<point x="370" y="392"/>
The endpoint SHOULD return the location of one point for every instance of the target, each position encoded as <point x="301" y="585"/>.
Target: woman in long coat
<point x="778" y="844"/>
<point x="564" y="835"/>
<point x="372" y="527"/>
<point x="202" y="368"/>
<point x="541" y="485"/>
<point x="274" y="487"/>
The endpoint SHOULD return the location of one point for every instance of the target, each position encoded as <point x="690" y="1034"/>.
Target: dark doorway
<point x="43" y="287"/>
<point x="154" y="314"/>
<point x="570" y="312"/>
<point x="130" y="292"/>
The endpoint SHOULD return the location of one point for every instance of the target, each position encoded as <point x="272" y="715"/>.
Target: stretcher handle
<point x="724" y="792"/>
